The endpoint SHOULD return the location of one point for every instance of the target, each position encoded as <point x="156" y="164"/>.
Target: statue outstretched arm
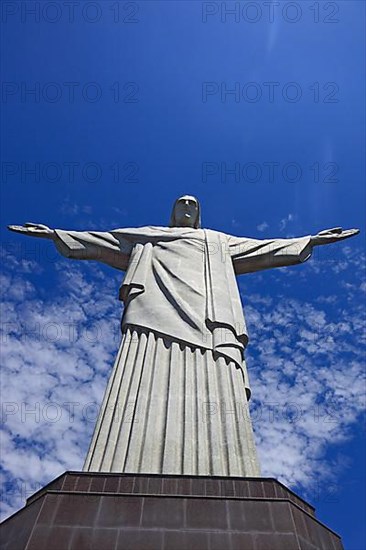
<point x="110" y="248"/>
<point x="33" y="230"/>
<point x="328" y="236"/>
<point x="250" y="255"/>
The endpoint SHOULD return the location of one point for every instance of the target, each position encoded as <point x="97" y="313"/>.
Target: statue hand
<point x="328" y="236"/>
<point x="33" y="230"/>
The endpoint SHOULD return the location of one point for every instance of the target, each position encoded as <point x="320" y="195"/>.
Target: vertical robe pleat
<point x="172" y="409"/>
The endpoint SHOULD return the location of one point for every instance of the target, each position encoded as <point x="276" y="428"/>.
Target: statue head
<point x="186" y="213"/>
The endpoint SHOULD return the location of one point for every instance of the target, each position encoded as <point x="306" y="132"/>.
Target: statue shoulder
<point x="213" y="234"/>
<point x="144" y="229"/>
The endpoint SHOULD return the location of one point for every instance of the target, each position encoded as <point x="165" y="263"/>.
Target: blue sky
<point x="260" y="114"/>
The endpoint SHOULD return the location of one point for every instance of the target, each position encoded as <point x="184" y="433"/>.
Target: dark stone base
<point x="98" y="511"/>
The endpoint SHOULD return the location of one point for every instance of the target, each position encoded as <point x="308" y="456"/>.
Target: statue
<point x="177" y="398"/>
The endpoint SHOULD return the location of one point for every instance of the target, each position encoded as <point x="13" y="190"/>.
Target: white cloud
<point x="56" y="358"/>
<point x="308" y="380"/>
<point x="262" y="226"/>
<point x="70" y="208"/>
<point x="285" y="221"/>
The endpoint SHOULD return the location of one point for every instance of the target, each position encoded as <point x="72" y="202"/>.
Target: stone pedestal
<point x="95" y="511"/>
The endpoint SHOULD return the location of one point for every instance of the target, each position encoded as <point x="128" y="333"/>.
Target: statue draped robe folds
<point x="177" y="400"/>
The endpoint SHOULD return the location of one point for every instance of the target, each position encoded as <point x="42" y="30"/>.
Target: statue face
<point x="186" y="211"/>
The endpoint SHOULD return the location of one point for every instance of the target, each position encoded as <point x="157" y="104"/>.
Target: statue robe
<point x="180" y="367"/>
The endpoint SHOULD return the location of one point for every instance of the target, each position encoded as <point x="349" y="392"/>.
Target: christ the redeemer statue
<point x="177" y="399"/>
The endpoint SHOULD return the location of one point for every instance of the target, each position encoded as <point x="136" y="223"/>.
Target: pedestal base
<point x="90" y="511"/>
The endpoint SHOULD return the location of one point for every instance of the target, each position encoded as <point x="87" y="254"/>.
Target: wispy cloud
<point x="72" y="208"/>
<point x="56" y="357"/>
<point x="262" y="226"/>
<point x="306" y="365"/>
<point x="285" y="221"/>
